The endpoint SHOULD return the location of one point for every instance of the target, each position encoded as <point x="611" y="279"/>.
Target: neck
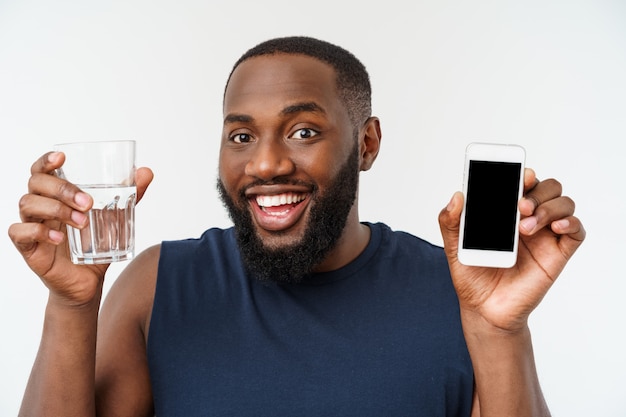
<point x="351" y="244"/>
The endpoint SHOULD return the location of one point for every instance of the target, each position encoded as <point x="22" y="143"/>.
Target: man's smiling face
<point x="289" y="163"/>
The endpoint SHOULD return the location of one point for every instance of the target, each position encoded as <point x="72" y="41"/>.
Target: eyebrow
<point x="234" y="118"/>
<point x="308" y="107"/>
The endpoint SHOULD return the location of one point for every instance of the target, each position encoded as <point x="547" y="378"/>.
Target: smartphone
<point x="493" y="184"/>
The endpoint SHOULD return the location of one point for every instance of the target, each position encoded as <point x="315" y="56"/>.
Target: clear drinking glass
<point x="106" y="171"/>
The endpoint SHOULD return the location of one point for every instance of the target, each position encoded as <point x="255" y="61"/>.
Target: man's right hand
<point x="41" y="237"/>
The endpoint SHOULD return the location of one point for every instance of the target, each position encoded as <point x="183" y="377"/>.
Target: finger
<point x="547" y="213"/>
<point x="143" y="178"/>
<point x="543" y="191"/>
<point x="572" y="234"/>
<point x="26" y="236"/>
<point x="37" y="244"/>
<point x="59" y="189"/>
<point x="42" y="183"/>
<point x="530" y="179"/>
<point x="449" y="223"/>
<point x="48" y="163"/>
<point x="37" y="209"/>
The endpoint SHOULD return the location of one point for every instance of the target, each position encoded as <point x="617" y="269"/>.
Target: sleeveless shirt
<point x="379" y="337"/>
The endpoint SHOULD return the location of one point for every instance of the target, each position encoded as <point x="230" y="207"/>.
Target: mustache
<point x="277" y="181"/>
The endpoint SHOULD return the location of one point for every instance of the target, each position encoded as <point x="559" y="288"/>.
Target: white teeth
<point x="278" y="200"/>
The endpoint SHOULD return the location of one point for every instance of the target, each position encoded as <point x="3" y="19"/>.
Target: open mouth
<point x="280" y="204"/>
<point x="278" y="212"/>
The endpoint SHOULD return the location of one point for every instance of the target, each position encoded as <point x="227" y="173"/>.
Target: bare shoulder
<point x="132" y="293"/>
<point x="122" y="375"/>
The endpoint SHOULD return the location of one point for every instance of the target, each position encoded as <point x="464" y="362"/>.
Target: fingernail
<point x="55" y="236"/>
<point x="78" y="217"/>
<point x="527" y="202"/>
<point x="53" y="157"/>
<point x="81" y="199"/>
<point x="529" y="223"/>
<point x="561" y="224"/>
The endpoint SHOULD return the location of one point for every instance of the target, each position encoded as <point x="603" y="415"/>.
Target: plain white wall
<point x="549" y="75"/>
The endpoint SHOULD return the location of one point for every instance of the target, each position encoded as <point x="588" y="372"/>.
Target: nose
<point x="269" y="160"/>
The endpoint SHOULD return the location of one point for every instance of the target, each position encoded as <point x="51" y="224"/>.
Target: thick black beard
<point x="328" y="216"/>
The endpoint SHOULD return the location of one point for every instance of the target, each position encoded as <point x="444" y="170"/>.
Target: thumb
<point x="449" y="224"/>
<point x="143" y="178"/>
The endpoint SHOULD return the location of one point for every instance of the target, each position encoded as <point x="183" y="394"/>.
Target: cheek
<point x="324" y="166"/>
<point x="230" y="169"/>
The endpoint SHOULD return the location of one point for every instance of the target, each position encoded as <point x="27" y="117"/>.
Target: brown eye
<point x="241" y="138"/>
<point x="305" y="133"/>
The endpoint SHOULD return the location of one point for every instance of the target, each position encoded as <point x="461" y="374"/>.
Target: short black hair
<point x="353" y="83"/>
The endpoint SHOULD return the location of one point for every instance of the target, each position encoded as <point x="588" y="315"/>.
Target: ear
<point x="369" y="137"/>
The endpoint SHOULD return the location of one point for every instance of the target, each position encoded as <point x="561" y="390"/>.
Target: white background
<point x="549" y="75"/>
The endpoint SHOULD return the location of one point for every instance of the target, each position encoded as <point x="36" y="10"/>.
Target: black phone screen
<point x="491" y="206"/>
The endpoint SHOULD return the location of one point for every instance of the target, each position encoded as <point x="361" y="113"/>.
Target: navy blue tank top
<point x="379" y="337"/>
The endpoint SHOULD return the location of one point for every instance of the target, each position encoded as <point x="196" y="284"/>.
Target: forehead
<point x="275" y="80"/>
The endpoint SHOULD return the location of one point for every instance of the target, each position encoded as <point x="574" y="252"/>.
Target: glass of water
<point x="106" y="171"/>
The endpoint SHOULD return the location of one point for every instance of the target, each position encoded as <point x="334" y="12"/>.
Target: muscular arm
<point x="92" y="364"/>
<point x="506" y="382"/>
<point x="64" y="379"/>
<point x="122" y="383"/>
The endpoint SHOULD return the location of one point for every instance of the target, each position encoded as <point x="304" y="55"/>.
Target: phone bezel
<point x="492" y="152"/>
